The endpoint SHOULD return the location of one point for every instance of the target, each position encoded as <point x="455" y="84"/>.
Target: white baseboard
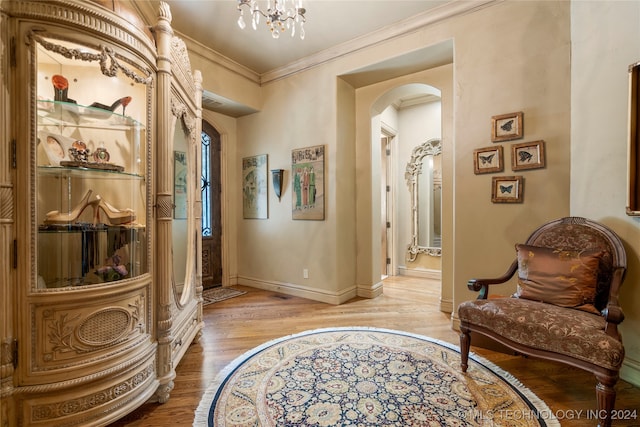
<point x="455" y="322"/>
<point x="370" y="292"/>
<point x="420" y="272"/>
<point x="299" y="290"/>
<point x="446" y="305"/>
<point x="630" y="371"/>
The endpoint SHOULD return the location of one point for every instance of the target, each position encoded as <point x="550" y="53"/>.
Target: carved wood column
<point x="7" y="297"/>
<point x="197" y="77"/>
<point x="163" y="205"/>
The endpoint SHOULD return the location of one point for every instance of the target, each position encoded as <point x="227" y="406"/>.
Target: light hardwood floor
<point x="239" y="324"/>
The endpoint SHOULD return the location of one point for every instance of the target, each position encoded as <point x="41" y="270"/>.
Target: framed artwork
<point x="254" y="187"/>
<point x="527" y="155"/>
<point x="307" y="175"/>
<point x="506" y="127"/>
<point x="507" y="189"/>
<point x="180" y="185"/>
<point x="633" y="171"/>
<point x="487" y="160"/>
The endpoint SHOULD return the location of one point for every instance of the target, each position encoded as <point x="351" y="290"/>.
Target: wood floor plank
<point x="239" y="324"/>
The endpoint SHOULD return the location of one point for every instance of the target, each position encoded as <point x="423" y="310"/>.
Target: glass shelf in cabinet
<point x="83" y="227"/>
<point x="86" y="172"/>
<point x="64" y="113"/>
<point x="85" y="254"/>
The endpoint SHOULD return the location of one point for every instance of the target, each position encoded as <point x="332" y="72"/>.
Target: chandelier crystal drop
<point x="280" y="15"/>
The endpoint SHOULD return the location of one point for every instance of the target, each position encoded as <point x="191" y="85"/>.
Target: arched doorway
<point x="211" y="188"/>
<point x="412" y="113"/>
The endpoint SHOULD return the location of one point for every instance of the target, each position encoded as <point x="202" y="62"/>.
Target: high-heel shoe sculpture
<point x="60" y="88"/>
<point x="57" y="217"/>
<point x="124" y="101"/>
<point x="114" y="216"/>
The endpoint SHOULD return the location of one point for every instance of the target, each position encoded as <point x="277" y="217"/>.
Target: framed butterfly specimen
<point x="487" y="160"/>
<point x="506" y="127"/>
<point x="507" y="189"/>
<point x="527" y="155"/>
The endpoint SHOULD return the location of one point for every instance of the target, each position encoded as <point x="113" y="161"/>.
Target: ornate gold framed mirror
<point x="424" y="178"/>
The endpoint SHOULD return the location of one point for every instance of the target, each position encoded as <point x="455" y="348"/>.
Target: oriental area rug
<point x="357" y="376"/>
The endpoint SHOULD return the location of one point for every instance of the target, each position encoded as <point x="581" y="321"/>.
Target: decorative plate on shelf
<point x="56" y="147"/>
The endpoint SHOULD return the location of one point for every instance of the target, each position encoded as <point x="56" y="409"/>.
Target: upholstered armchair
<point x="566" y="306"/>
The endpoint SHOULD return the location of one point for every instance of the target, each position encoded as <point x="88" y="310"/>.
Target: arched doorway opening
<point x="411" y="114"/>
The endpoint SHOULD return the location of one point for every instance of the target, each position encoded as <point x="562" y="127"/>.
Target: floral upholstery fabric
<point x="574" y="333"/>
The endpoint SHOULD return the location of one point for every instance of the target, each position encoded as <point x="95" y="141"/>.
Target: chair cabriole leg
<point x="606" y="398"/>
<point x="465" y="343"/>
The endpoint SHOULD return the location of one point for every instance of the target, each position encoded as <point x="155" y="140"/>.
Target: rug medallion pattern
<point x="366" y="377"/>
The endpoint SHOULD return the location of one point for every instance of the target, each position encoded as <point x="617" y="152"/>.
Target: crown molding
<point x="401" y="28"/>
<point x="211" y="55"/>
<point x="149" y="14"/>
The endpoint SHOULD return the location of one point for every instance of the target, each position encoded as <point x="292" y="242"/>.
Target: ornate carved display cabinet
<point x="100" y="133"/>
<point x="179" y="202"/>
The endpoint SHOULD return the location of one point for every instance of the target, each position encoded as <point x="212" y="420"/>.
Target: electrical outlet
<point x="305" y="273"/>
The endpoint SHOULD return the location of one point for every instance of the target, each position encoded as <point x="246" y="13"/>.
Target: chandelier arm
<point x="251" y="11"/>
<point x="293" y="18"/>
<point x="260" y="12"/>
<point x="276" y="16"/>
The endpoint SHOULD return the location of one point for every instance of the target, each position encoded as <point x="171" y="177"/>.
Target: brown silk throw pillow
<point x="562" y="278"/>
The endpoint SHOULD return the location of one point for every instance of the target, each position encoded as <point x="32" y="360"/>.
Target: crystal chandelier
<point x="281" y="15"/>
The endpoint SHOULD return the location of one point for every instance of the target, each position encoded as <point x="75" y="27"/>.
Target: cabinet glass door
<point x="91" y="160"/>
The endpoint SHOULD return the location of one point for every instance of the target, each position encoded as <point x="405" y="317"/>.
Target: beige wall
<point x="599" y="102"/>
<point x="274" y="252"/>
<point x="224" y="77"/>
<point x="517" y="58"/>
<point x="511" y="56"/>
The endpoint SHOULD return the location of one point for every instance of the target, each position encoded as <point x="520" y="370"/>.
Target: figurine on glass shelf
<point x="101" y="155"/>
<point x="82" y="157"/>
<point x="79" y="152"/>
<point x="113" y="269"/>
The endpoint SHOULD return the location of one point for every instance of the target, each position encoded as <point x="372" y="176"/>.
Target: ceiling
<point x="332" y="28"/>
<point x="329" y="23"/>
